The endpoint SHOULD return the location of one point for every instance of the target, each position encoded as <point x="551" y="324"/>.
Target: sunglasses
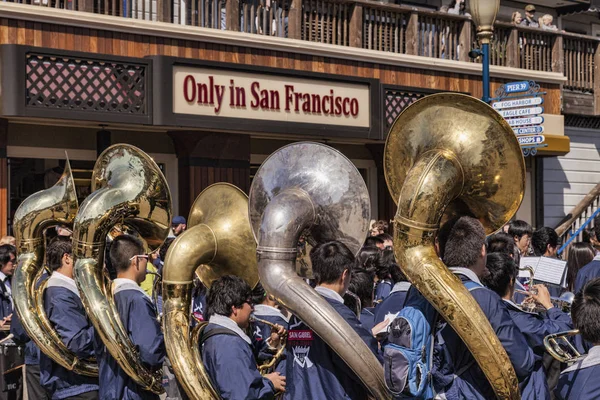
<point x="144" y="256"/>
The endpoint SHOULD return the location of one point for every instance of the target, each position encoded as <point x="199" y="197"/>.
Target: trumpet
<point x="563" y="302"/>
<point x="269" y="366"/>
<point x="559" y="347"/>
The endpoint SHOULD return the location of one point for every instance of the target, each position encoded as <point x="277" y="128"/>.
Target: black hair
<point x="443" y="233"/>
<point x="519" y="228"/>
<point x="580" y="254"/>
<point x="381" y="225"/>
<point x="585" y="311"/>
<point x="502" y="270"/>
<point x="122" y="248"/>
<point x="397" y="274"/>
<point x="464" y="244"/>
<point x="226" y="292"/>
<point x="368" y="259"/>
<point x="330" y="260"/>
<point x="501" y="243"/>
<point x="5" y="251"/>
<point x="541" y="238"/>
<point x="258" y="294"/>
<point x="386" y="261"/>
<point x="373" y="241"/>
<point x="55" y="252"/>
<point x="385" y="236"/>
<point x="361" y="285"/>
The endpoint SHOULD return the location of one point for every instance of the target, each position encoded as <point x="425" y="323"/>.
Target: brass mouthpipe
<point x="434" y="180"/>
<point x="196" y="246"/>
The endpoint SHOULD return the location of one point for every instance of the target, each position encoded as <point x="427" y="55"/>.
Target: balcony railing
<point x="377" y="26"/>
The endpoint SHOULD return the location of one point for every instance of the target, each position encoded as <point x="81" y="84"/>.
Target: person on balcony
<point x="517" y="18"/>
<point x="458" y="7"/>
<point x="547" y="23"/>
<point x="530" y="17"/>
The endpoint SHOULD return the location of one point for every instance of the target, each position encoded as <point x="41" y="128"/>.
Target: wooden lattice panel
<point x="396" y="101"/>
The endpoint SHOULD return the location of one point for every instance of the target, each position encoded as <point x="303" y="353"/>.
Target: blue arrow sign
<point x="525" y="121"/>
<point x="521" y="112"/>
<point x="531" y="140"/>
<point x="516" y="87"/>
<point x="525" y="102"/>
<point x="529" y="130"/>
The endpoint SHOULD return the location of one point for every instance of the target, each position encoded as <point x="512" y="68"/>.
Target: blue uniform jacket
<point x="580" y="381"/>
<point x="383" y="289"/>
<point x="198" y="304"/>
<point x="535" y="328"/>
<point x="261" y="332"/>
<point x="65" y="312"/>
<point x="471" y="383"/>
<point x="314" y="370"/>
<point x="587" y="273"/>
<point x="393" y="303"/>
<point x="6" y="307"/>
<point x="367" y="318"/>
<point x="138" y="316"/>
<point x="230" y="363"/>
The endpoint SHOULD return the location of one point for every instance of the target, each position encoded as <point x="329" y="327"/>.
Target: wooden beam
<point x="512" y="49"/>
<point x="465" y="40"/>
<point x="412" y="34"/>
<point x="295" y="20"/>
<point x="356" y="26"/>
<point x="597" y="80"/>
<point x="232" y="18"/>
<point x="558" y="55"/>
<point x="163" y="10"/>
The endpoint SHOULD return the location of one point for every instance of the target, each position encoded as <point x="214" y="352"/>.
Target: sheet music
<point x="528" y="261"/>
<point x="550" y="270"/>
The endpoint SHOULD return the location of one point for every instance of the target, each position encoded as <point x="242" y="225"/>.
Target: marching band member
<point x="361" y="289"/>
<point x="464" y="253"/>
<point x="592" y="270"/>
<point x="8" y="255"/>
<point x="262" y="334"/>
<point x="579" y="381"/>
<point x="65" y="312"/>
<point x="521" y="232"/>
<point x="395" y="302"/>
<point x="226" y="349"/>
<point x="314" y="370"/>
<point x="501" y="278"/>
<point x="139" y="319"/>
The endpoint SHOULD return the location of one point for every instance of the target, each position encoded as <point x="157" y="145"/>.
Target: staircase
<point x="571" y="227"/>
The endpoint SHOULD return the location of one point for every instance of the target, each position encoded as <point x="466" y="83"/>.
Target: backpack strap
<point x="471" y="285"/>
<point x="214" y="332"/>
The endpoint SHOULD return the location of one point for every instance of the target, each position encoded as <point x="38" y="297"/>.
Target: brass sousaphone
<point x="46" y="208"/>
<point x="313" y="189"/>
<point x="218" y="242"/>
<point x="128" y="189"/>
<point x="445" y="155"/>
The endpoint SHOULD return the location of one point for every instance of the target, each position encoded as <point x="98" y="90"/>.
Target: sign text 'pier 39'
<point x="235" y="94"/>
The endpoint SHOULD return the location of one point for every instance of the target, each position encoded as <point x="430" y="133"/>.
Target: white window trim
<point x="169" y="160"/>
<point x="369" y="165"/>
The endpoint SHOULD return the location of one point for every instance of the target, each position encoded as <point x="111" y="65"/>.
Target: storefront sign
<point x="532" y="101"/>
<point x="234" y="94"/>
<point x="529" y="130"/>
<point x="519" y="112"/>
<point x="516" y="87"/>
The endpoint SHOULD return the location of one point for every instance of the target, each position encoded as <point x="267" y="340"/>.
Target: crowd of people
<point x="366" y="290"/>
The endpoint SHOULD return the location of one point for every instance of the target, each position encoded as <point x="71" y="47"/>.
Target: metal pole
<point x="485" y="50"/>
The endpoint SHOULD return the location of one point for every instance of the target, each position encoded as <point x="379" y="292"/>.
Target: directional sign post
<point x="520" y="103"/>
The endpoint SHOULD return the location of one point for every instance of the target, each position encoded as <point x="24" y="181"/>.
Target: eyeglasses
<point x="144" y="256"/>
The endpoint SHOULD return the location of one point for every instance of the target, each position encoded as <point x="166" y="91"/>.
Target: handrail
<point x="576" y="212"/>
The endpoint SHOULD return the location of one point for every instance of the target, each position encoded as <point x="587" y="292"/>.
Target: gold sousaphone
<point x="313" y="189"/>
<point x="128" y="189"/>
<point x="451" y="154"/>
<point x="218" y="242"/>
<point x="46" y="208"/>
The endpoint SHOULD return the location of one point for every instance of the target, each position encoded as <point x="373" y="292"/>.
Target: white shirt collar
<point x="330" y="294"/>
<point x="400" y="287"/>
<point x="262" y="309"/>
<point x="121" y="284"/>
<point x="230" y="324"/>
<point x="3" y="277"/>
<point x="591" y="359"/>
<point x="59" y="280"/>
<point x="466" y="272"/>
<point x="597" y="258"/>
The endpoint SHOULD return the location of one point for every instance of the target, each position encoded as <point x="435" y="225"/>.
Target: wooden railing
<point x="377" y="26"/>
<point x="582" y="213"/>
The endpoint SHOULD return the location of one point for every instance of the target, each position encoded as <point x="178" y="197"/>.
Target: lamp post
<point x="484" y="14"/>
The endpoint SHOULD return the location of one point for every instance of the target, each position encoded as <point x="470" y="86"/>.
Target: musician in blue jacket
<point x="591" y="270"/>
<point x="8" y="264"/>
<point x="580" y="380"/>
<point x="265" y="308"/>
<point x="464" y="253"/>
<point x="533" y="325"/>
<point x="139" y="318"/>
<point x="63" y="306"/>
<point x="395" y="302"/>
<point x="226" y="349"/>
<point x="359" y="297"/>
<point x="314" y="370"/>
